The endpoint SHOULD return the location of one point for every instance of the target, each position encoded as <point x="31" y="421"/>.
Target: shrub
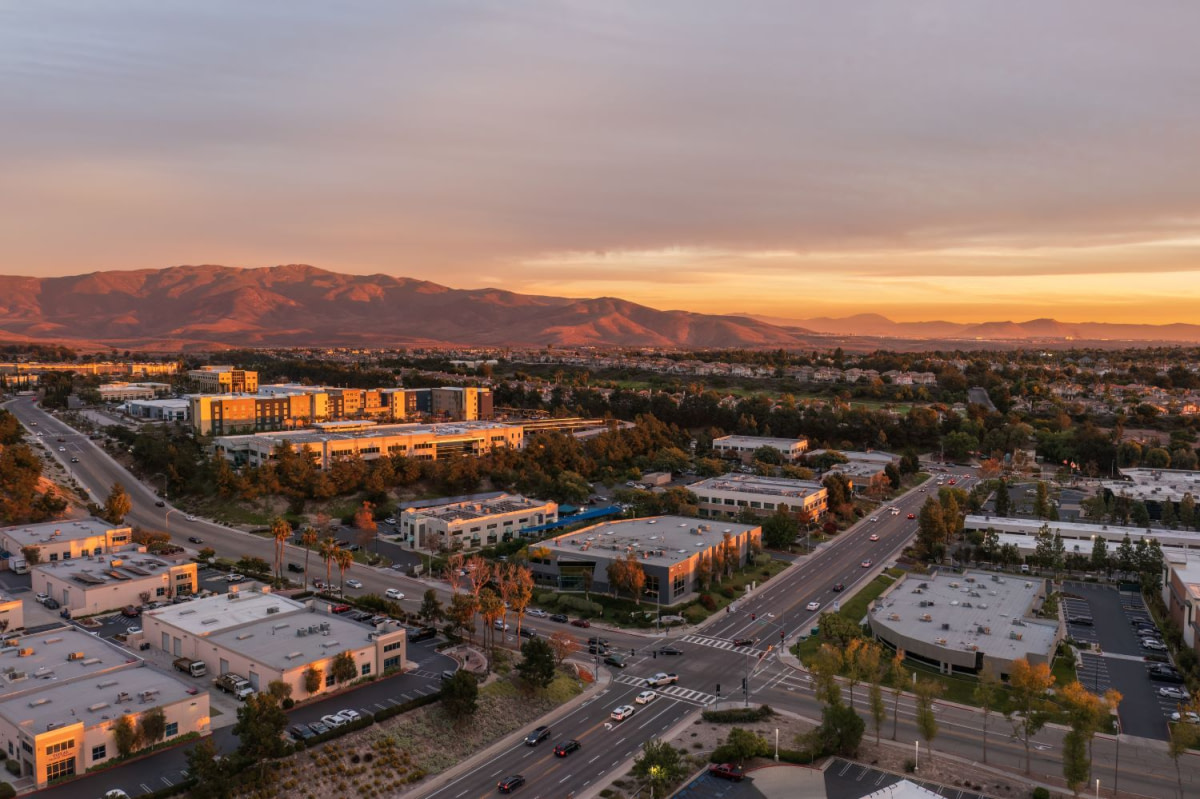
<point x="412" y="704"/>
<point x="800" y="757"/>
<point x="707" y="602"/>
<point x="13" y="767"/>
<point x="1041" y="793"/>
<point x="547" y="598"/>
<point x="727" y="592"/>
<point x="738" y="715"/>
<point x="7" y="791"/>
<point x="910" y="766"/>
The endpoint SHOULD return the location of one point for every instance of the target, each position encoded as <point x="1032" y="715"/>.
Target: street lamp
<point x="917" y="758"/>
<point x="1097" y="788"/>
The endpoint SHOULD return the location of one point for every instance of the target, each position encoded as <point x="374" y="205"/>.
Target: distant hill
<point x="216" y="307"/>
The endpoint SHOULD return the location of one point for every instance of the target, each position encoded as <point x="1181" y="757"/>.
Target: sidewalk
<point x="470" y="764"/>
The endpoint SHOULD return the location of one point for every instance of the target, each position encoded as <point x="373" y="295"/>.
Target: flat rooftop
<point x="108" y="570"/>
<point x="51" y="658"/>
<point x="670" y="538"/>
<point x="1155" y="485"/>
<point x="66" y="530"/>
<point x="854" y="456"/>
<point x="965" y="612"/>
<point x="1110" y="532"/>
<point x="273" y="641"/>
<point x="212" y="615"/>
<point x="95" y="702"/>
<point x="762" y="486"/>
<point x="761" y="441"/>
<point x="465" y="511"/>
<point x="161" y="403"/>
<point x="448" y="430"/>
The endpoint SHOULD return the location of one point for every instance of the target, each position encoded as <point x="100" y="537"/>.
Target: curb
<point x="444" y="778"/>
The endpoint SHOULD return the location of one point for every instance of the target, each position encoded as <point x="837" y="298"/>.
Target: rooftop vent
<point x="210" y="621"/>
<point x="97" y="706"/>
<point x="293" y="655"/>
<point x="244" y="636"/>
<point x="39" y="702"/>
<point x="106" y="684"/>
<point x="75" y="656"/>
<point x="51" y="640"/>
<point x="272" y="609"/>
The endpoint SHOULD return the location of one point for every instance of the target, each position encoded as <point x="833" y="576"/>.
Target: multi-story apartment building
<point x="96" y="583"/>
<point x="66" y="540"/>
<point x="470" y="525"/>
<point x="224" y="380"/>
<point x="459" y="403"/>
<point x="63" y="691"/>
<point x="744" y="447"/>
<point x="329" y="441"/>
<point x="731" y="494"/>
<point x="265" y="637"/>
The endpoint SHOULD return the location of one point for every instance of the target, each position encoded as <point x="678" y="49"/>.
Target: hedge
<point x="412" y="704"/>
<point x="738" y="715"/>
<point x="337" y="732"/>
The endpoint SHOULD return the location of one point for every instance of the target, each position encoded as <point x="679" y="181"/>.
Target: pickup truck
<point x="233" y="684"/>
<point x="661" y="679"/>
<point x="196" y="668"/>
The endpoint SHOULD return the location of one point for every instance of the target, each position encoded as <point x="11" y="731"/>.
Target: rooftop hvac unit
<point x="123" y="696"/>
<point x="325" y="625"/>
<point x="272" y="609"/>
<point x="232" y="595"/>
<point x="945" y="625"/>
<point x="927" y="617"/>
<point x="893" y="617"/>
<point x="26" y="652"/>
<point x="941" y="641"/>
<point x="303" y="631"/>
<point x="75" y="656"/>
<point x="97" y="706"/>
<point x="1016" y="636"/>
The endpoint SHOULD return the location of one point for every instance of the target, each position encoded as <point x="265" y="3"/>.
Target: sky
<point x="943" y="159"/>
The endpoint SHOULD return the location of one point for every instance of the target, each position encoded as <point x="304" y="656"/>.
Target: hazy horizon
<point x="942" y="161"/>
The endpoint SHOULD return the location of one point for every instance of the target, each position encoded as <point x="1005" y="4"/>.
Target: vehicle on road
<point x="190" y="518"/>
<point x="813" y="606"/>
<point x="616" y="661"/>
<point x="874" y="518"/>
<point x="354" y="583"/>
<point x="873" y="537"/>
<point x="510" y="784"/>
<point x="74" y="460"/>
<point x="580" y="623"/>
<point x="912" y="515"/>
<point x="537" y="613"/>
<point x="839" y="587"/>
<point x="423" y="634"/>
<point x="528" y="633"/>
<point x="500" y="624"/>
<point x="743" y="642"/>
<point x="295" y="568"/>
<point x="113" y="793"/>
<point x="538" y="735"/>
<point x="662" y="678"/>
<point x="234" y="578"/>
<point x="669" y="650"/>
<point x="567" y="747"/>
<point x="195" y="539"/>
<point x="561" y="618"/>
<point x="62" y="449"/>
<point x="727" y="771"/>
<point x="621" y="713"/>
<point x="393" y="593"/>
<point x="160" y="504"/>
<point x="1171" y="692"/>
<point x="866" y="564"/>
<point x="645" y="697"/>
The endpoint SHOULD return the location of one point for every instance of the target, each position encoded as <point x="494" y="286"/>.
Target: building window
<point x="391" y="663"/>
<point x="61" y="746"/>
<point x="679" y="584"/>
<point x="172" y="729"/>
<point x="160" y="591"/>
<point x="63" y="768"/>
<point x="99" y="752"/>
<point x="53" y="556"/>
<point x="366" y="669"/>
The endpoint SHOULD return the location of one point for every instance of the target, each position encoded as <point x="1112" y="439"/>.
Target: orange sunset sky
<point x="936" y="160"/>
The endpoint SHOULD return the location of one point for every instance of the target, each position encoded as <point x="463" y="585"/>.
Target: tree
<point x="1126" y="555"/>
<point x="328" y="552"/>
<point x="309" y="539"/>
<point x="259" y="728"/>
<point x="897" y="681"/>
<point x="1086" y="714"/>
<point x="659" y="763"/>
<point x="926" y="691"/>
<point x="281" y="531"/>
<point x="893" y="475"/>
<point x="1041" y="502"/>
<point x="931" y="531"/>
<point x="840" y="731"/>
<point x="563" y="645"/>
<point x="1003" y="500"/>
<point x="988" y="697"/>
<point x="343" y="668"/>
<point x="1027" y="700"/>
<point x="741" y="745"/>
<point x="460" y="694"/>
<point x="1183" y="738"/>
<point x="491" y="608"/>
<point x="431" y="607"/>
<point x="1187" y="512"/>
<point x="825" y="667"/>
<point x="125" y="734"/>
<point x="520" y="592"/>
<point x="314" y="678"/>
<point x="364" y="522"/>
<point x="32" y="554"/>
<point x="1100" y="562"/>
<point x="280" y="690"/>
<point x="537" y="662"/>
<point x="117" y="506"/>
<point x="461" y="614"/>
<point x="1139" y="514"/>
<point x="213" y="778"/>
<point x="153" y="726"/>
<point x="779" y="531"/>
<point x="344" y="559"/>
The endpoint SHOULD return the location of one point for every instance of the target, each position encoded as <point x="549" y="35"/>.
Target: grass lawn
<point x="854" y="609"/>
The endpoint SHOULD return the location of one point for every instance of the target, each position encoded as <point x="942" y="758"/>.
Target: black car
<point x="669" y="650"/>
<point x="839" y="587"/>
<point x="567" y="747"/>
<point x="597" y="649"/>
<point x="561" y="618"/>
<point x="52" y="604"/>
<point x="296" y="568"/>
<point x="527" y="633"/>
<point x="423" y="634"/>
<point x="195" y="539"/>
<point x="1082" y="621"/>
<point x="538" y="735"/>
<point x="510" y="784"/>
<point x="616" y="661"/>
<point x="743" y="642"/>
<point x="598" y="641"/>
<point x="160" y="504"/>
<point x="1166" y="675"/>
<point x="301" y="732"/>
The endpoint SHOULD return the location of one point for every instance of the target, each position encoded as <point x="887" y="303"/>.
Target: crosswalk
<point x="673" y="691"/>
<point x="719" y="643"/>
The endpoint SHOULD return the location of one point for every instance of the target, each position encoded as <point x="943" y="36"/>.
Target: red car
<point x="912" y="515"/>
<point x="727" y="771"/>
<point x="581" y="623"/>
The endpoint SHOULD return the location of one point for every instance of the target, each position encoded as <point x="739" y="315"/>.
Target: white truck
<point x="661" y="679"/>
<point x="232" y="684"/>
<point x="196" y="668"/>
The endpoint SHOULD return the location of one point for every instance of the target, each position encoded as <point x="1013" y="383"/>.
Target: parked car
<point x="1166" y="675"/>
<point x="234" y="578"/>
<point x="160" y="504"/>
<point x="393" y="593"/>
<point x="52" y="604"/>
<point x="581" y="623"/>
<point x="1171" y="692"/>
<point x="538" y="735"/>
<point x="645" y="697"/>
<point x="528" y="633"/>
<point x="727" y="771"/>
<point x="133" y="631"/>
<point x="190" y="518"/>
<point x="621" y="713"/>
<point x="349" y="715"/>
<point x="567" y="747"/>
<point x="561" y="618"/>
<point x="1082" y="621"/>
<point x="333" y="720"/>
<point x="301" y="732"/>
<point x="510" y="784"/>
<point x="41" y="598"/>
<point x="1153" y="645"/>
<point x="318" y="727"/>
<point x="389" y="520"/>
<point x="131" y="611"/>
<point x="537" y="613"/>
<point x="1190" y="716"/>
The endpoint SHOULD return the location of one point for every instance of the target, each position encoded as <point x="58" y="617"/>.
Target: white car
<point x="538" y="613"/>
<point x="622" y="713"/>
<point x="113" y="793"/>
<point x="813" y="606"/>
<point x="332" y="721"/>
<point x="350" y="715"/>
<point x="645" y="697"/>
<point x="234" y="578"/>
<point x="874" y="518"/>
<point x="393" y="593"/>
<point x="389" y="520"/>
<point x="62" y="449"/>
<point x="354" y="583"/>
<point x="41" y="598"/>
<point x="1191" y="717"/>
<point x="873" y="537"/>
<point x="190" y="518"/>
<point x="133" y="631"/>
<point x="1171" y="692"/>
<point x="499" y="624"/>
<point x="1154" y="646"/>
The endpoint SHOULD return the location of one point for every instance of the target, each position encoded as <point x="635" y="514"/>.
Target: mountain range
<point x="220" y="307"/>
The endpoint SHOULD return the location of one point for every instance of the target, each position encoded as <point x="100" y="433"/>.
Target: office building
<point x="223" y="380"/>
<point x="1155" y="487"/>
<point x="65" y="540"/>
<point x="729" y="495"/>
<point x="744" y="447"/>
<point x="473" y="524"/>
<point x="63" y="691"/>
<point x="159" y="410"/>
<point x="265" y="637"/>
<point x="121" y="392"/>
<point x="97" y="583"/>
<point x="669" y="549"/>
<point x="329" y="441"/>
<point x="966" y="622"/>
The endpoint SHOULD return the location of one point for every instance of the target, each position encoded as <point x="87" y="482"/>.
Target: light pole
<point x="776" y="744"/>
<point x="1097" y="788"/>
<point x="917" y="758"/>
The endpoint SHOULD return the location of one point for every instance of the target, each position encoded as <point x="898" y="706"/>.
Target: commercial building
<point x="966" y="622"/>
<point x="161" y="410"/>
<point x="744" y="447"/>
<point x="461" y="403"/>
<point x="65" y="540"/>
<point x="861" y="468"/>
<point x="63" y="691"/>
<point x="731" y="494"/>
<point x="223" y="380"/>
<point x="1155" y="487"/>
<point x="96" y="583"/>
<point x="12" y="613"/>
<point x="1084" y="534"/>
<point x="131" y="368"/>
<point x="265" y="637"/>
<point x="121" y="392"/>
<point x="472" y="524"/>
<point x="1181" y="594"/>
<point x="332" y="440"/>
<point x="669" y="549"/>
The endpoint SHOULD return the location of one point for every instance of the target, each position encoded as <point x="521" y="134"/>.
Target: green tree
<point x="1168" y="514"/>
<point x="1126" y="555"/>
<point x="1028" y="708"/>
<point x="32" y="554"/>
<point x="1187" y="512"/>
<point x="281" y="531"/>
<point x="1100" y="555"/>
<point x="460" y="694"/>
<point x="213" y="778"/>
<point x="1003" y="500"/>
<point x="825" y="667"/>
<point x="281" y="691"/>
<point x="893" y="475"/>
<point x="659" y="764"/>
<point x="153" y="726"/>
<point x="989" y="697"/>
<point x="118" y="505"/>
<point x="1139" y="514"/>
<point x="931" y="531"/>
<point x="926" y="691"/>
<point x="741" y="745"/>
<point x="840" y="731"/>
<point x="314" y="678"/>
<point x="1183" y="738"/>
<point x="898" y="677"/>
<point x="343" y="668"/>
<point x="125" y="734"/>
<point x="431" y="607"/>
<point x="1041" y="502"/>
<point x="259" y="728"/>
<point x="537" y="663"/>
<point x="779" y="531"/>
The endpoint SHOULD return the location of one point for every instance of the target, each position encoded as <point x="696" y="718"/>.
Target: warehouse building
<point x="97" y="583"/>
<point x="65" y="540"/>
<point x="472" y="524"/>
<point x="729" y="495"/>
<point x="744" y="447"/>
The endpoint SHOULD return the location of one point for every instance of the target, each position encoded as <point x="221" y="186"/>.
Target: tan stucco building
<point x="94" y="584"/>
<point x="470" y="525"/>
<point x="66" y="540"/>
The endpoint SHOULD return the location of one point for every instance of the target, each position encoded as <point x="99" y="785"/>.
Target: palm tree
<point x="281" y="531"/>
<point x="328" y="549"/>
<point x="343" y="558"/>
<point x="308" y="538"/>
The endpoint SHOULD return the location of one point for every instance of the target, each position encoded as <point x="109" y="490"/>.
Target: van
<point x="1024" y="568"/>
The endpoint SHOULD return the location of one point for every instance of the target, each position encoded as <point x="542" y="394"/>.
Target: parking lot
<point x="1110" y="619"/>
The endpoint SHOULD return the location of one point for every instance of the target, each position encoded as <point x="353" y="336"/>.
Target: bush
<point x="1041" y="793"/>
<point x="580" y="604"/>
<point x="547" y="598"/>
<point x="910" y="766"/>
<point x="14" y="768"/>
<point x="738" y="715"/>
<point x="799" y="757"/>
<point x="7" y="791"/>
<point x="707" y="602"/>
<point x="728" y="592"/>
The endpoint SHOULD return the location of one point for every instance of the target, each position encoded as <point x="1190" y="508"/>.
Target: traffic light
<point x="781" y="635"/>
<point x="753" y="616"/>
<point x="718" y="689"/>
<point x="745" y="687"/>
<point x="655" y="654"/>
<point x="632" y="651"/>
